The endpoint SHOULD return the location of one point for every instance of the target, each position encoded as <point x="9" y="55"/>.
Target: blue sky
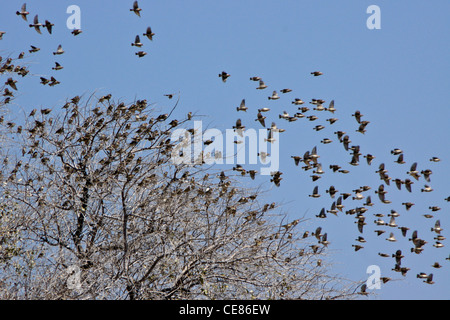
<point x="397" y="76"/>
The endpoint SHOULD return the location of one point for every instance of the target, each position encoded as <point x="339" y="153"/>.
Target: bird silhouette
<point x="140" y="54"/>
<point x="49" y="26"/>
<point x="224" y="76"/>
<point x="76" y="32"/>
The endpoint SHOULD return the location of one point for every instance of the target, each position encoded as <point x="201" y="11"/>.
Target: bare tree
<point x="94" y="208"/>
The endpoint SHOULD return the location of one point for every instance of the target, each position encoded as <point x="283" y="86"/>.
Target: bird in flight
<point x="36" y="25"/>
<point x="76" y="32"/>
<point x="137" y="42"/>
<point x="140" y="54"/>
<point x="224" y="76"/>
<point x="59" y="50"/>
<point x="23" y="12"/>
<point x="149" y="34"/>
<point x="49" y="26"/>
<point x="136" y="9"/>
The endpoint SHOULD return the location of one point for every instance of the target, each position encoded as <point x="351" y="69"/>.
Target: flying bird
<point x="149" y="34"/>
<point x="33" y="49"/>
<point x="261" y="119"/>
<point x="400" y="159"/>
<point x="408" y="184"/>
<point x="316" y="73"/>
<point x="140" y="54"/>
<point x="76" y="32"/>
<point x="224" y="76"/>
<point x="413" y="171"/>
<point x="12" y="83"/>
<point x="298" y="101"/>
<point x="437" y="227"/>
<point x="136" y="9"/>
<point x="57" y="66"/>
<point x="429" y="279"/>
<point x="357" y="116"/>
<point x="23" y="12"/>
<point x="49" y="26"/>
<point x="262" y="85"/>
<point x="315" y="193"/>
<point x="53" y="82"/>
<point x="44" y="81"/>
<point x="274" y="96"/>
<point x="426" y="174"/>
<point x="331" y="107"/>
<point x="242" y="106"/>
<point x="36" y="25"/>
<point x="322" y="214"/>
<point x="137" y="42"/>
<point x="396" y="151"/>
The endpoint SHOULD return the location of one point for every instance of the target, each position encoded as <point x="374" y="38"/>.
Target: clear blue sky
<point x="398" y="77"/>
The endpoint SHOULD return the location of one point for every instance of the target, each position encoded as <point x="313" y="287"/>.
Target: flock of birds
<point x="52" y="81"/>
<point x="311" y="161"/>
